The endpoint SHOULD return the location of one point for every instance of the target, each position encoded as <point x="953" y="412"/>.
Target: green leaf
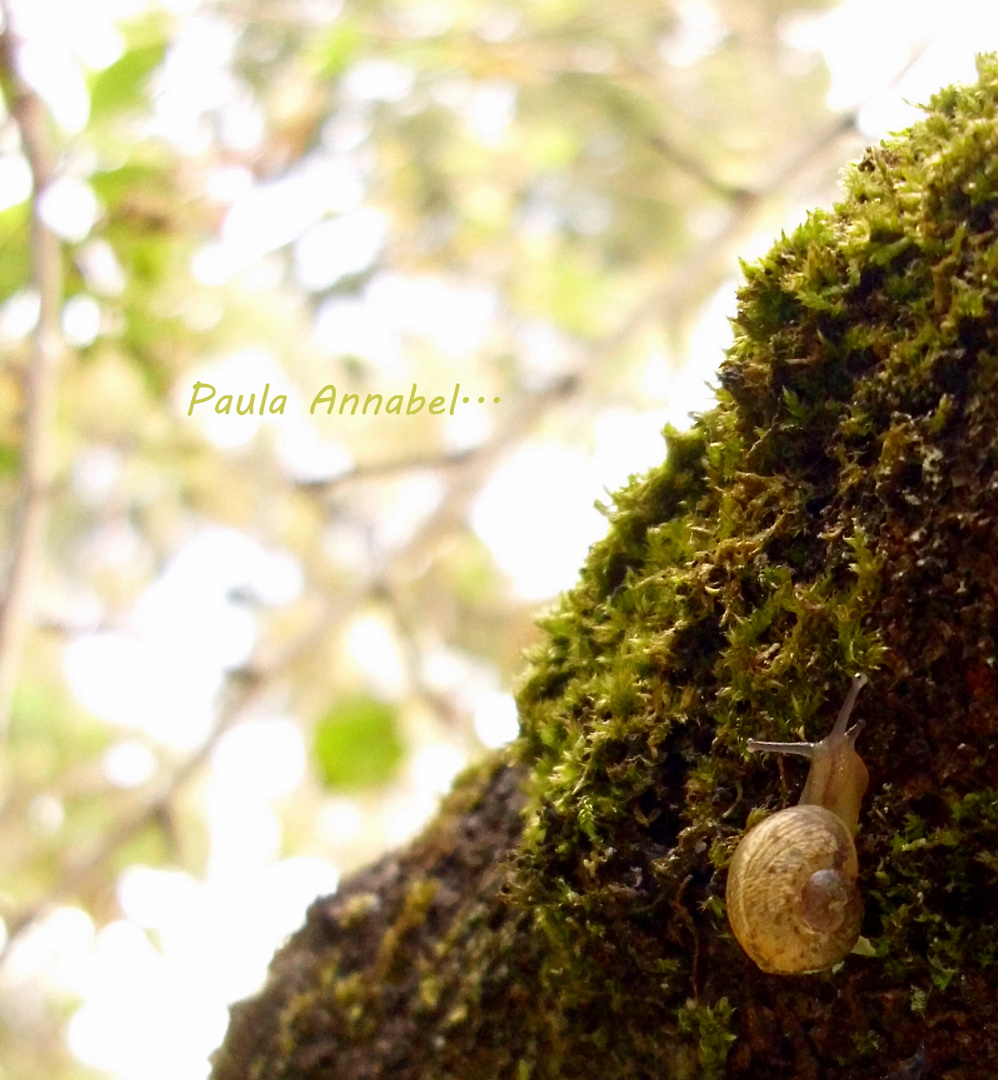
<point x="10" y="458"/>
<point x="114" y="186"/>
<point x="332" y="54"/>
<point x="15" y="265"/>
<point x="357" y="744"/>
<point x="121" y="85"/>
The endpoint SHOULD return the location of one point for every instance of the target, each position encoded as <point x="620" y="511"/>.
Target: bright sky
<point x="150" y="1011"/>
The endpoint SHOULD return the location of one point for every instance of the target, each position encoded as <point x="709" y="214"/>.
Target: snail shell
<point x="792" y="896"/>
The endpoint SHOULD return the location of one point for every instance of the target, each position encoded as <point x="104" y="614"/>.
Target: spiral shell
<point x="792" y="896"/>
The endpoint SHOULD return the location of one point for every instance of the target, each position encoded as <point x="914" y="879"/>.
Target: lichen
<point x="836" y="512"/>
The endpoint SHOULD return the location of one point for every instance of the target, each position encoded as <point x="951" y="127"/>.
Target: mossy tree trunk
<point x="837" y="512"/>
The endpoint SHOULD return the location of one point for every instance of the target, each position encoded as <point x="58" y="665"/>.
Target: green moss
<point x="711" y="1026"/>
<point x="744" y="581"/>
<point x="836" y="512"/>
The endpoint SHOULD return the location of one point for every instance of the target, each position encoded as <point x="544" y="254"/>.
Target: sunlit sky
<point x="157" y="1011"/>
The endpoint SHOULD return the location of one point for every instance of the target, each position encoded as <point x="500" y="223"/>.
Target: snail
<point x="792" y="897"/>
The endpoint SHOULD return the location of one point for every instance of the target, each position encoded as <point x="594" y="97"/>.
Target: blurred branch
<point x="40" y="381"/>
<point x="438" y="703"/>
<point x="688" y="164"/>
<point x="481" y="464"/>
<point x="706" y="265"/>
<point x="377" y="470"/>
<point x="694" y="275"/>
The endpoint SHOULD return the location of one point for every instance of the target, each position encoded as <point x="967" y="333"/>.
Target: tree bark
<point x="837" y="512"/>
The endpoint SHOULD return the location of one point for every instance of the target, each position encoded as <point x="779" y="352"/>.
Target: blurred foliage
<point x="357" y="744"/>
<point x="572" y="175"/>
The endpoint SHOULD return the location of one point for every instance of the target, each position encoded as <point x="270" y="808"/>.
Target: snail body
<point x="792" y="896"/>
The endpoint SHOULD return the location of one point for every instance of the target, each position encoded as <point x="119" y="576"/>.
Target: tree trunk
<point x="836" y="513"/>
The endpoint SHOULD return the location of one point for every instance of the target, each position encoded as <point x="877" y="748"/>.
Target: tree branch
<point x="41" y="378"/>
<point x="377" y="470"/>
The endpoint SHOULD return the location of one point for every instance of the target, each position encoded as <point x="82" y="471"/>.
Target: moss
<point x="836" y="512"/>
<point x="711" y="1026"/>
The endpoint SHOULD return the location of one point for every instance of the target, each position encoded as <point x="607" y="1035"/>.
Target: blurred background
<point x="240" y="654"/>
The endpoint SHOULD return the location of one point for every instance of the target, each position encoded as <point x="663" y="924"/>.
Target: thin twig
<point x="41" y="379"/>
<point x="692" y="167"/>
<point x="378" y="470"/>
<point x="692" y="277"/>
<point x="440" y="704"/>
